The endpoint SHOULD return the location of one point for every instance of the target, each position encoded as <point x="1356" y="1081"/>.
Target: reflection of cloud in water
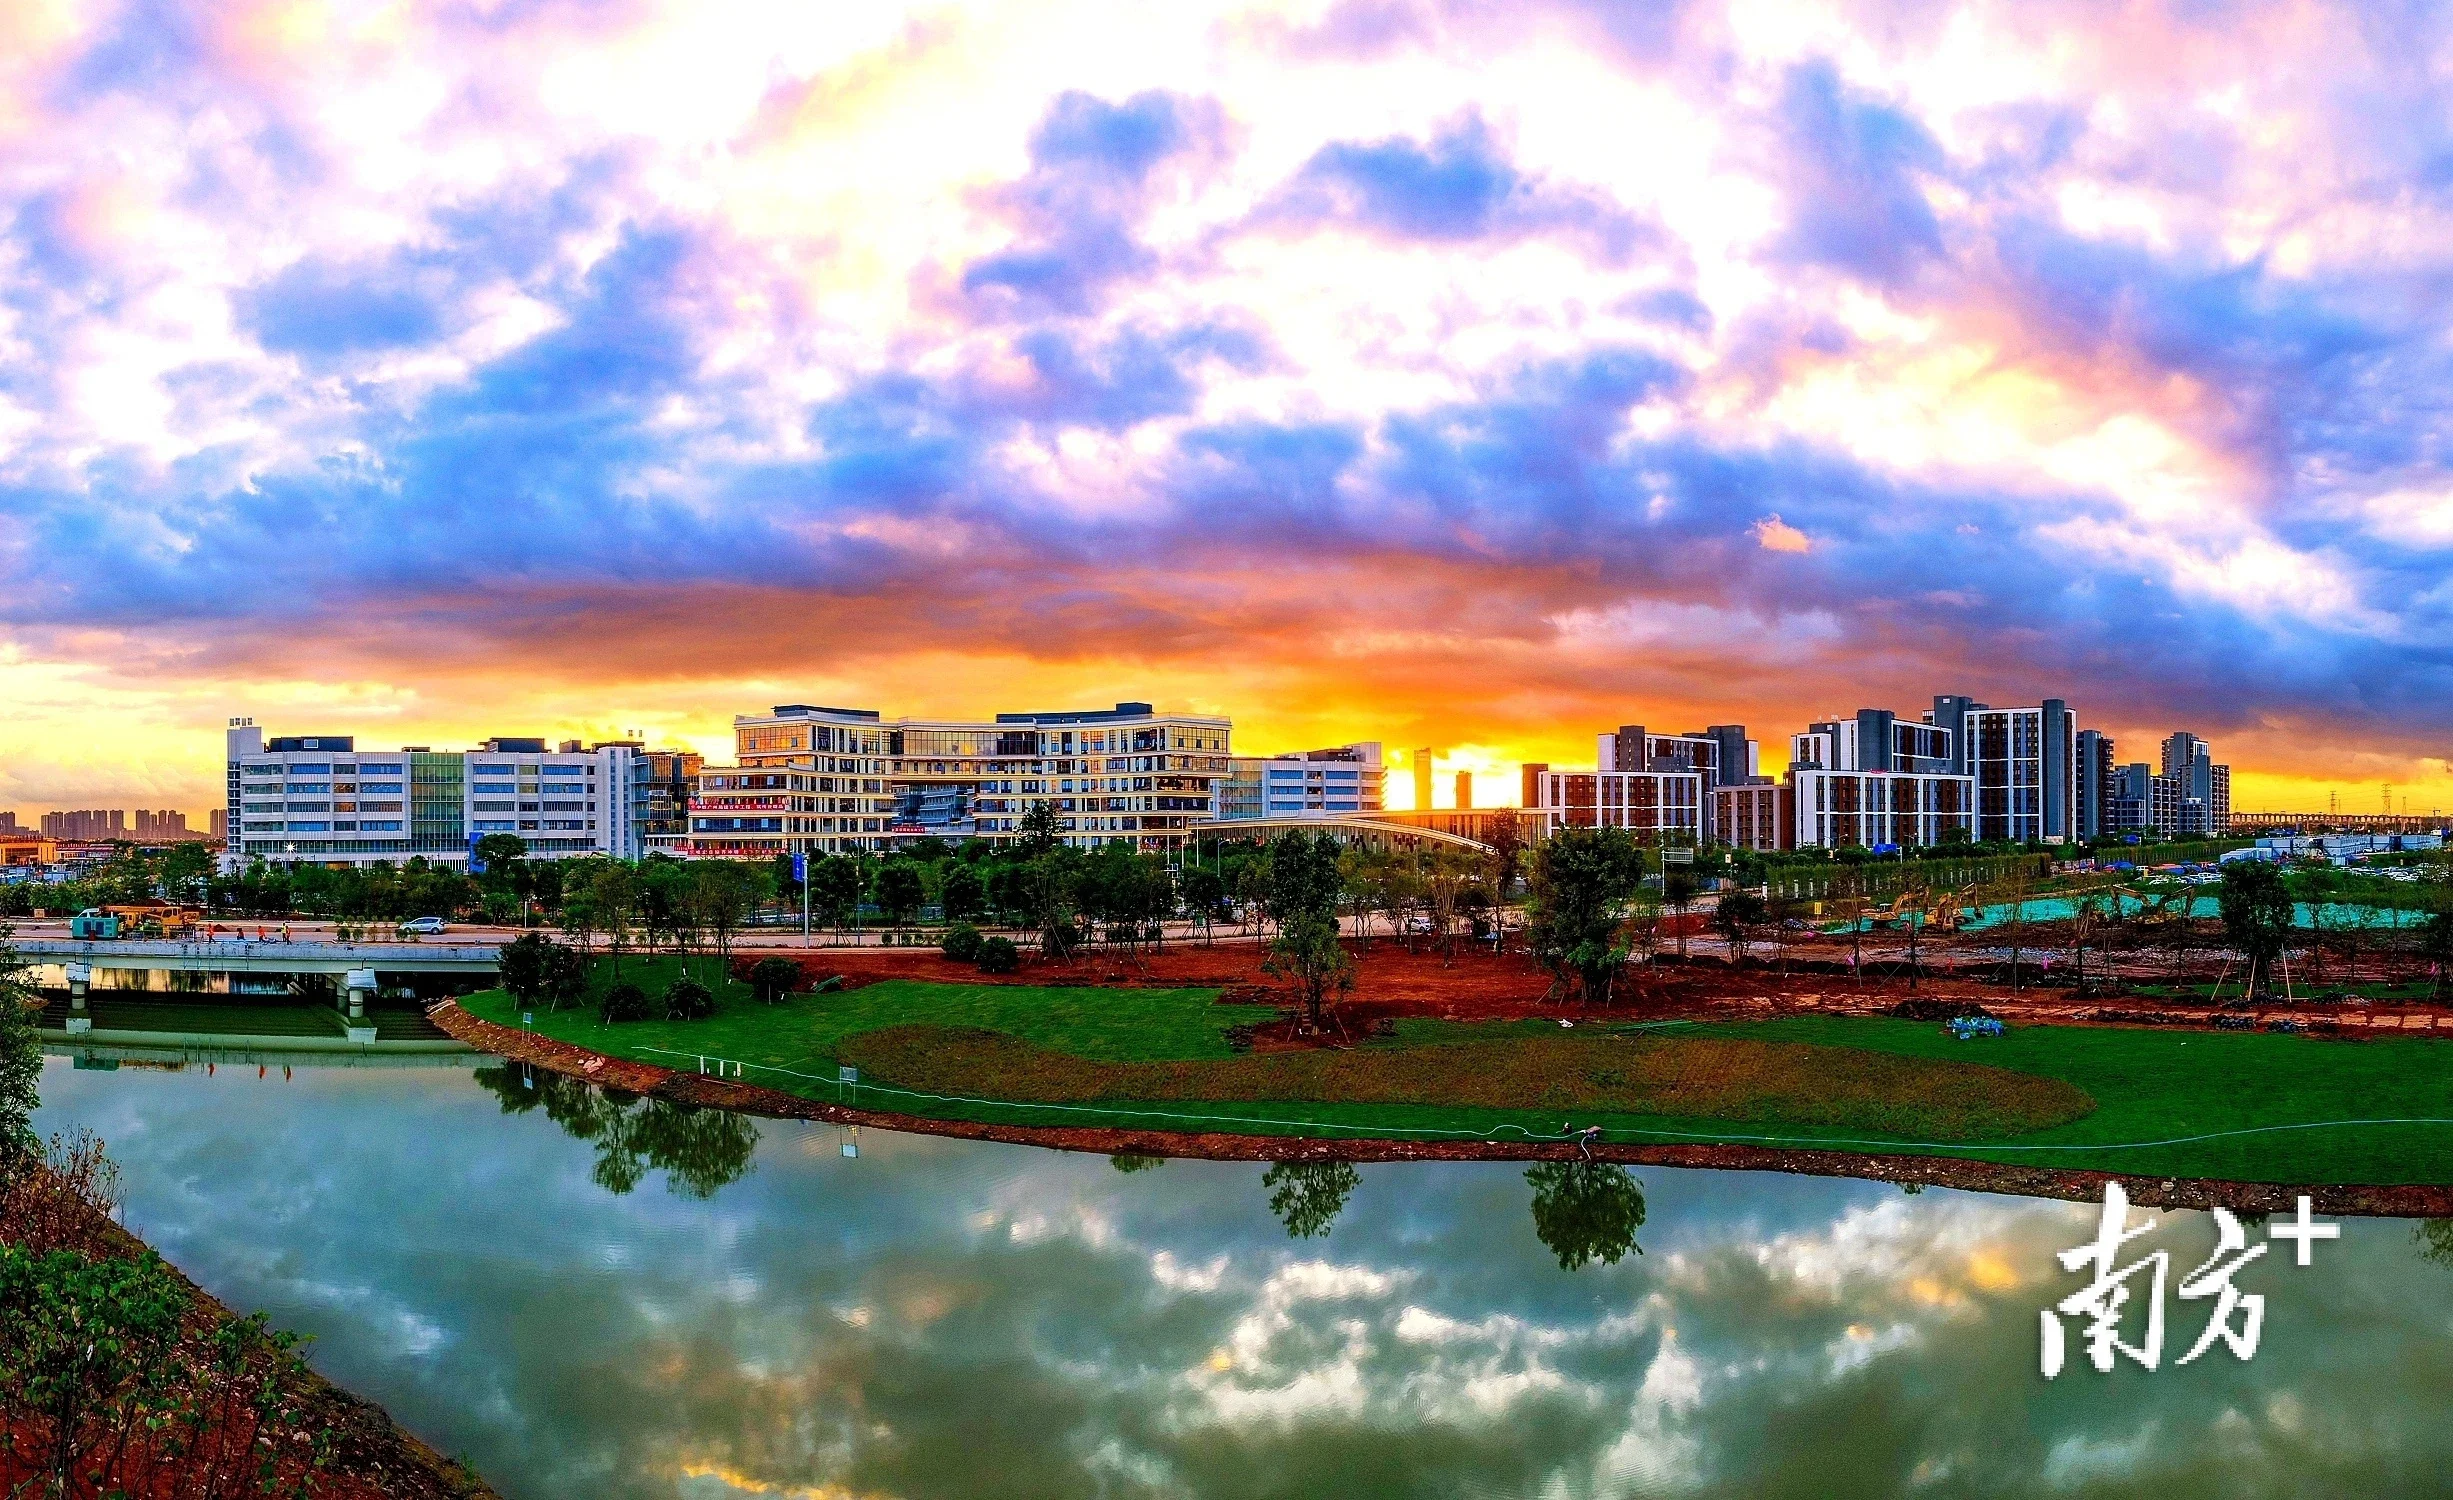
<point x="952" y="1319"/>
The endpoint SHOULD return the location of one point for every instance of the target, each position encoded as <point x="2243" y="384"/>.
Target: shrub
<point x="771" y="979"/>
<point x="999" y="956"/>
<point x="1937" y="1010"/>
<point x="623" y="1002"/>
<point x="962" y="943"/>
<point x="687" y="999"/>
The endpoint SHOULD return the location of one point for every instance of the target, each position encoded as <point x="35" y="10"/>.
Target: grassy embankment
<point x="1162" y="1059"/>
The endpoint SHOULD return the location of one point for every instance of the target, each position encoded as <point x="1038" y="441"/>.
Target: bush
<point x="962" y="943"/>
<point x="771" y="979"/>
<point x="623" y="1002"/>
<point x="1938" y="1010"/>
<point x="687" y="999"/>
<point x="999" y="956"/>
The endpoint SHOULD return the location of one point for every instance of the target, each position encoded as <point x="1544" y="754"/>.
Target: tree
<point x="1204" y="891"/>
<point x="21" y="1065"/>
<point x="2256" y="909"/>
<point x="2010" y="891"/>
<point x="722" y="892"/>
<point x="963" y="893"/>
<point x="687" y="999"/>
<point x="521" y="966"/>
<point x="623" y="1001"/>
<point x="612" y="888"/>
<point x="1040" y="831"/>
<point x="961" y="943"/>
<point x="772" y="979"/>
<point x="898" y="890"/>
<point x="1586" y="1211"/>
<point x="834" y="889"/>
<point x="1583" y="879"/>
<point x="664" y="903"/>
<point x="1737" y="917"/>
<point x="1448" y="873"/>
<point x="1051" y="883"/>
<point x="1679" y="888"/>
<point x="1307" y="1196"/>
<point x="1303" y="891"/>
<point x="2436" y="938"/>
<point x="566" y="977"/>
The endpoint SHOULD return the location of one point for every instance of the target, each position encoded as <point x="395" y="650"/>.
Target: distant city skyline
<point x="1431" y="372"/>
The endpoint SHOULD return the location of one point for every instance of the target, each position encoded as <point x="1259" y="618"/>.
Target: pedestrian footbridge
<point x="247" y="957"/>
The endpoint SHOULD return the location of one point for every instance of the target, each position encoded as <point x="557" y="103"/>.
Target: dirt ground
<point x="1393" y="982"/>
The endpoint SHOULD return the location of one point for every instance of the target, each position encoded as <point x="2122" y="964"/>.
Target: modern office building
<point x="317" y="799"/>
<point x="1465" y="791"/>
<point x="836" y="780"/>
<point x="1342" y="781"/>
<point x="1423" y="760"/>
<point x="2098" y="780"/>
<point x="661" y="782"/>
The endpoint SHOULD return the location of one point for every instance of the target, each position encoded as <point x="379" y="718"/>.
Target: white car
<point x="423" y="926"/>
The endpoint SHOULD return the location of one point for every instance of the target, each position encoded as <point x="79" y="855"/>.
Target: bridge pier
<point x="361" y="987"/>
<point x="80" y="979"/>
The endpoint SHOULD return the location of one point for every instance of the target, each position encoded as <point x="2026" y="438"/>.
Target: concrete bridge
<point x="242" y="957"/>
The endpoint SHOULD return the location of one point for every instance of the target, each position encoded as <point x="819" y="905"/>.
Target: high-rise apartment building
<point x="97" y="825"/>
<point x="2098" y="779"/>
<point x="2025" y="765"/>
<point x="1719" y="754"/>
<point x="1658" y="807"/>
<point x="2201" y="792"/>
<point x="837" y="780"/>
<point x="1876" y="779"/>
<point x="318" y="799"/>
<point x="1341" y="781"/>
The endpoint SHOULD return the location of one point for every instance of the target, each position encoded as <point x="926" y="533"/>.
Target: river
<point x="705" y="1306"/>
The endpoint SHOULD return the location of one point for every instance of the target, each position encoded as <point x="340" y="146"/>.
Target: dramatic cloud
<point x="1449" y="373"/>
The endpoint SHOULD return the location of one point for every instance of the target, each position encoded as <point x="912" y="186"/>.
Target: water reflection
<point x="954" y="1318"/>
<point x="698" y="1150"/>
<point x="1307" y="1196"/>
<point x="1586" y="1211"/>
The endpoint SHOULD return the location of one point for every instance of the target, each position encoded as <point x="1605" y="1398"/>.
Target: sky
<point x="1464" y="374"/>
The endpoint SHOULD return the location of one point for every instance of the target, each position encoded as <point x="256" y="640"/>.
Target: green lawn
<point x="2149" y="1086"/>
<point x="1119" y="1025"/>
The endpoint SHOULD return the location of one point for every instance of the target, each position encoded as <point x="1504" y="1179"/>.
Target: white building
<point x="1877" y="779"/>
<point x="1658" y="807"/>
<point x="1342" y="781"/>
<point x="318" y="799"/>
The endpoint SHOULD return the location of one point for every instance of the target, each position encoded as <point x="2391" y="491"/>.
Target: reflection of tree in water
<point x="1307" y="1196"/>
<point x="1127" y="1161"/>
<point x="2435" y="1237"/>
<point x="698" y="1150"/>
<point x="1586" y="1211"/>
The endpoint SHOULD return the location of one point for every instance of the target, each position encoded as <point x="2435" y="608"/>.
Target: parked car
<point x="423" y="926"/>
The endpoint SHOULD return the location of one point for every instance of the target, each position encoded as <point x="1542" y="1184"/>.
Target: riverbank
<point x="333" y="1445"/>
<point x="701" y="1089"/>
